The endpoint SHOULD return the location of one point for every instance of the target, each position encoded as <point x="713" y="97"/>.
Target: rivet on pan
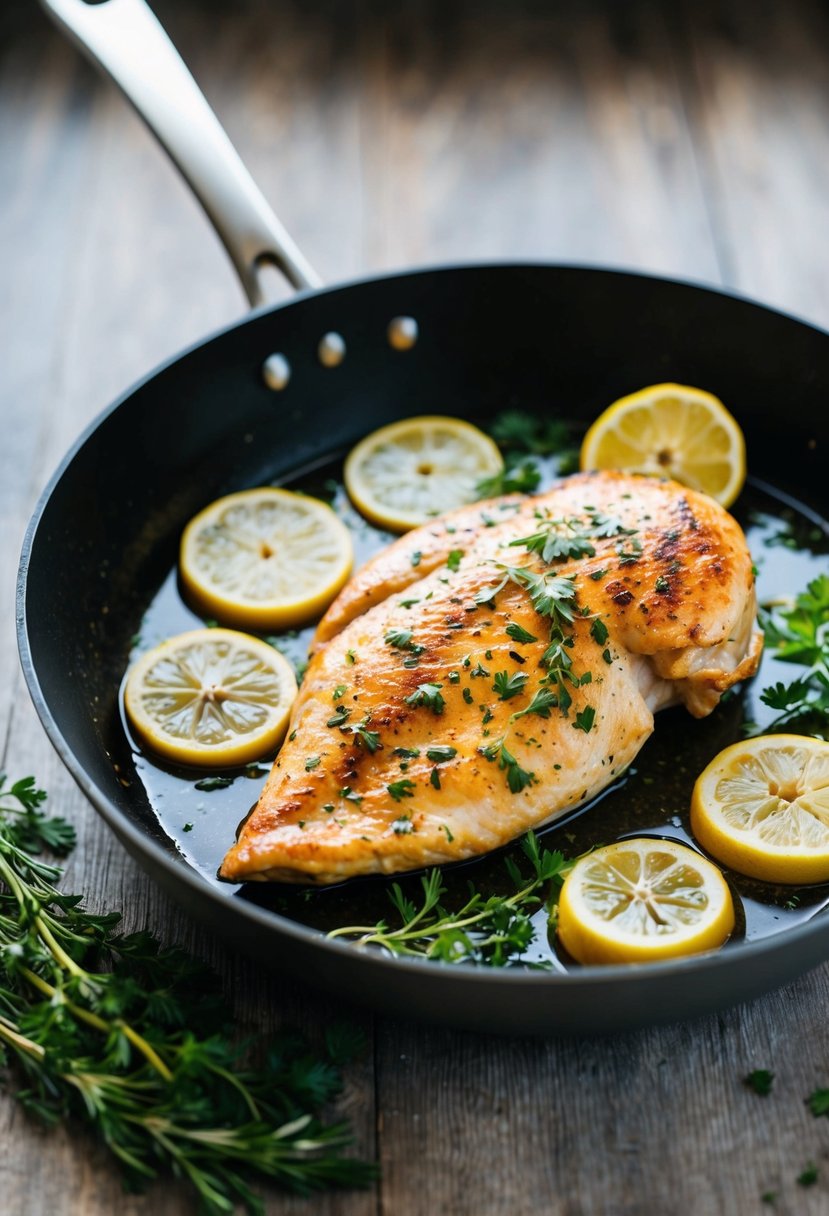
<point x="331" y="350"/>
<point x="276" y="372"/>
<point x="402" y="333"/>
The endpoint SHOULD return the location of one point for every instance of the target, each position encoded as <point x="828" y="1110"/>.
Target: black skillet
<point x="262" y="400"/>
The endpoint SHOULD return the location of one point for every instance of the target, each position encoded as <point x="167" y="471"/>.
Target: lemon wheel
<point x="210" y="697"/>
<point x="409" y="472"/>
<point x="643" y="900"/>
<point x="762" y="808"/>
<point x="265" y="559"/>
<point x="671" y="430"/>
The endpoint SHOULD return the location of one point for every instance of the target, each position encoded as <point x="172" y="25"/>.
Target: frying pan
<point x="276" y="393"/>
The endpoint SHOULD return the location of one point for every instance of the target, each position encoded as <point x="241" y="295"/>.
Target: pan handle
<point x="125" y="39"/>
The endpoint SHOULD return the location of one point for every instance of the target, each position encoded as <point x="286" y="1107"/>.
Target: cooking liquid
<point x="200" y="814"/>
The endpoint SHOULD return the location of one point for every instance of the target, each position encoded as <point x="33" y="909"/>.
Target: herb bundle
<point x="128" y="1036"/>
<point x="490" y="931"/>
<point x="800" y="634"/>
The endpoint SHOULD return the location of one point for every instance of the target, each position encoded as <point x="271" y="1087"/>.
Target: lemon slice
<point x="265" y="559"/>
<point x="409" y="472"/>
<point x="762" y="808"/>
<point x="211" y="697"/>
<point x="643" y="900"/>
<point x="671" y="430"/>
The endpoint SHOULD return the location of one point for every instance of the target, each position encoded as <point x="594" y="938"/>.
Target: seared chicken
<point x="495" y="669"/>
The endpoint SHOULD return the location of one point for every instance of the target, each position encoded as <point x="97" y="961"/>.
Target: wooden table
<point x="676" y="137"/>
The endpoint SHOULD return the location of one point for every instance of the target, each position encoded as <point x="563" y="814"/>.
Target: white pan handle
<point x="125" y="39"/>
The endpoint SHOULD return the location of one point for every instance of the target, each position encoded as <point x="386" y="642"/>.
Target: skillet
<point x="276" y="396"/>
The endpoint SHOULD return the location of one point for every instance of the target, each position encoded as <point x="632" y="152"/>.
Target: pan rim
<point x="180" y="873"/>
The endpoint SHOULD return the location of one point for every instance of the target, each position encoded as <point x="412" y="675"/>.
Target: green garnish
<point x="440" y="753"/>
<point x="518" y="778"/>
<point x="520" y="478"/>
<point x="662" y="586"/>
<point x="401" y="639"/>
<point x="760" y="1080"/>
<point x="543" y="701"/>
<point x="434" y="778"/>
<point x="343" y="713"/>
<point x="628" y="556"/>
<point x="800" y="634"/>
<point x="401" y="789"/>
<point x="369" y="739"/>
<point x="311" y="762"/>
<point x="401" y="827"/>
<point x="809" y="1176"/>
<point x="553" y="545"/>
<point x="467" y="696"/>
<point x="129" y="1037"/>
<point x="348" y="793"/>
<point x="408" y="753"/>
<point x="428" y="695"/>
<point x="415" y="557"/>
<point x="208" y="784"/>
<point x="339" y="692"/>
<point x="599" y="632"/>
<point x="487" y="930"/>
<point x="519" y="634"/>
<point x="453" y="561"/>
<point x="585" y="719"/>
<point x="818" y="1102"/>
<point x="507" y="686"/>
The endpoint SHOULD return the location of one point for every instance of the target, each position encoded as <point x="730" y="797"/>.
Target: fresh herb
<point x="519" y="634"/>
<point x="507" y="686"/>
<point x="543" y="701"/>
<point x="339" y="692"/>
<point x="409" y="603"/>
<point x="486" y="930"/>
<point x="585" y="719"/>
<point x="403" y="826"/>
<point x="760" y="1080"/>
<point x="401" y="789"/>
<point x="401" y="639"/>
<point x="415" y="557"/>
<point x="598" y="632"/>
<point x="662" y="586"/>
<point x="629" y="556"/>
<point x="809" y="1175"/>
<point x="408" y="753"/>
<point x="453" y="677"/>
<point x="605" y="526"/>
<point x="311" y="762"/>
<point x="467" y="696"/>
<point x="434" y="778"/>
<point x="558" y="539"/>
<point x="520" y="431"/>
<point x="208" y="784"/>
<point x="428" y="695"/>
<point x="478" y="671"/>
<point x="350" y="657"/>
<point x="800" y="634"/>
<point x="518" y="778"/>
<point x="453" y="561"/>
<point x="341" y="715"/>
<point x="818" y="1102"/>
<point x="369" y="739"/>
<point x="128" y="1036"/>
<point x="440" y="753"/>
<point x="552" y="595"/>
<point x="348" y="793"/>
<point x="515" y="478"/>
<point x="448" y="832"/>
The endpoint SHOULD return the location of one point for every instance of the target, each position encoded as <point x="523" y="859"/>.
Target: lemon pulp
<point x="265" y="558"/>
<point x="643" y="900"/>
<point x="210" y="697"/>
<point x="407" y="473"/>
<point x="671" y="430"/>
<point x="762" y="808"/>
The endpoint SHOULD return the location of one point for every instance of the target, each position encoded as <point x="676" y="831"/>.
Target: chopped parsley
<point x="311" y="762"/>
<point x="434" y="778"/>
<point x="403" y="826"/>
<point x="662" y="585"/>
<point x="343" y="713"/>
<point x="507" y="686"/>
<point x="348" y="793"/>
<point x="760" y="1080"/>
<point x="453" y="561"/>
<point x="440" y="753"/>
<point x="519" y="634"/>
<point x="339" y="692"/>
<point x="467" y="696"/>
<point x="543" y="701"/>
<point x="401" y="789"/>
<point x="520" y="478"/>
<point x="518" y="778"/>
<point x="415" y="557"/>
<point x="585" y="719"/>
<point x="598" y="632"/>
<point x="401" y="639"/>
<point x="428" y="695"/>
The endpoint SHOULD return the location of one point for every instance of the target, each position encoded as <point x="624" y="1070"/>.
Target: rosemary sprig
<point x="489" y="931"/>
<point x="128" y="1036"/>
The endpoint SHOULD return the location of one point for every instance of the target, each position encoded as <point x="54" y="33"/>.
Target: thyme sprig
<point x="129" y="1037"/>
<point x="488" y="931"/>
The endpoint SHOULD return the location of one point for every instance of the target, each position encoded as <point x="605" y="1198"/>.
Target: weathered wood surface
<point x="688" y="139"/>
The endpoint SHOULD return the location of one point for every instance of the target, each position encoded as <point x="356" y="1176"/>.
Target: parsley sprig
<point x="127" y="1036"/>
<point x="800" y="634"/>
<point x="489" y="931"/>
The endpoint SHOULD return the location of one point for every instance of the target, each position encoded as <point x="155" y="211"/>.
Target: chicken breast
<point x="492" y="670"/>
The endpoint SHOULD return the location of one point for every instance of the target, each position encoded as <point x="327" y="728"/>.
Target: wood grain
<point x="689" y="139"/>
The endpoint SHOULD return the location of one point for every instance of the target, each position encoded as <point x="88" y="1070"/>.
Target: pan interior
<point x="105" y="541"/>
